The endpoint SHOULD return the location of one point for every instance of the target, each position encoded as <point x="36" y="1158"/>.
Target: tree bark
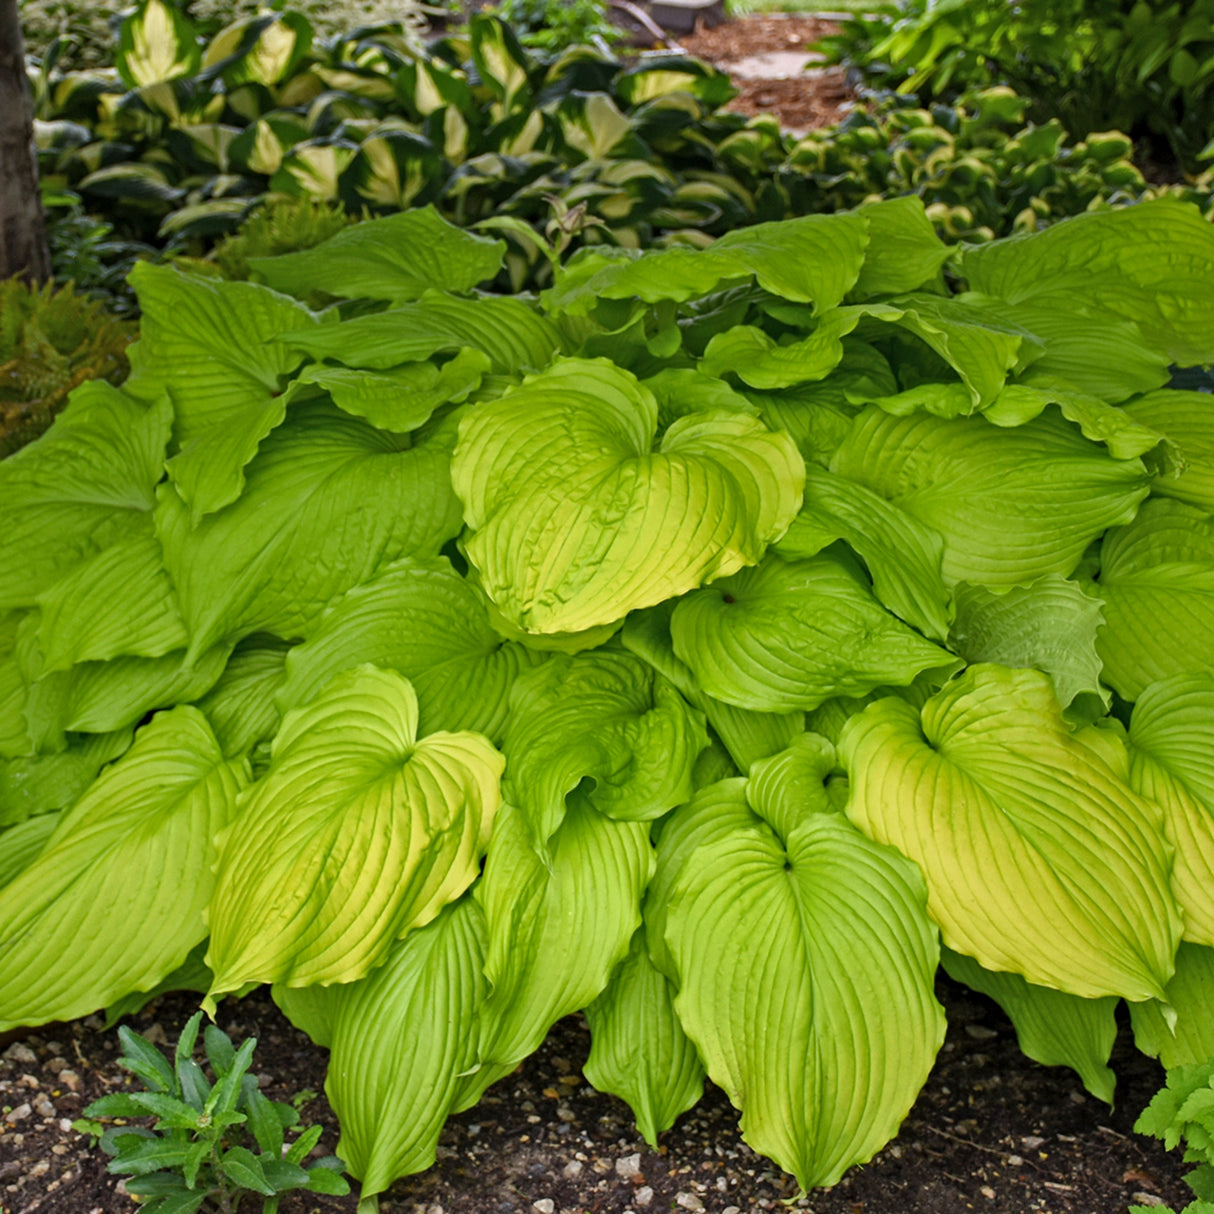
<point x="22" y="229"/>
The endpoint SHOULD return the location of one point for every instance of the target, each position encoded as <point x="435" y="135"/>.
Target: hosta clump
<point x="718" y="644"/>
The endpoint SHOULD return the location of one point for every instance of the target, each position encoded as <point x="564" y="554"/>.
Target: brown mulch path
<point x="802" y="103"/>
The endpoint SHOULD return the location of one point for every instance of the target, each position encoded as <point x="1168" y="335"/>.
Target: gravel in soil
<point x="990" y="1132"/>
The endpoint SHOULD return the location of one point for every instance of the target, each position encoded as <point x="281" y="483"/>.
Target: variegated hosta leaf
<point x="135" y="849"/>
<point x="1012" y="505"/>
<point x="790" y="635"/>
<point x="1040" y="859"/>
<point x="420" y="618"/>
<point x="638" y="1049"/>
<point x="156" y="43"/>
<point x="264" y="49"/>
<point x="902" y="555"/>
<point x="1172" y="764"/>
<point x="86" y="484"/>
<point x="556" y="932"/>
<point x="356" y="834"/>
<point x="213" y="347"/>
<point x="1156" y="581"/>
<point x="1180" y="1030"/>
<point x="1050" y="626"/>
<point x="605" y="719"/>
<point x="329" y="501"/>
<point x="805" y="963"/>
<point x="513" y="335"/>
<point x="1185" y="418"/>
<point x="1053" y="1028"/>
<point x="400" y="1039"/>
<point x="575" y="520"/>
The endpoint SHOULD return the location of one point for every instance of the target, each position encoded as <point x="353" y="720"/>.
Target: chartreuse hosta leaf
<point x="904" y="253"/>
<point x="746" y="735"/>
<point x="14" y="736"/>
<point x="86" y="484"/>
<point x="156" y="43"/>
<point x="903" y="556"/>
<point x="241" y="707"/>
<point x="1050" y="626"/>
<point x="213" y="346"/>
<point x="23" y="843"/>
<point x="814" y="259"/>
<point x="329" y="501"/>
<point x="1109" y="263"/>
<point x="356" y="834"/>
<point x="1172" y="764"/>
<point x="790" y="634"/>
<point x="403" y="398"/>
<point x="1156" y="581"/>
<point x="556" y="932"/>
<point x="420" y="618"/>
<point x="1180" y="1031"/>
<point x="401" y="1038"/>
<point x="1012" y="505"/>
<point x="638" y="1049"/>
<point x="35" y="785"/>
<point x="395" y="257"/>
<point x="1040" y="859"/>
<point x="137" y="847"/>
<point x="1053" y="1028"/>
<point x="1185" y="418"/>
<point x="510" y="333"/>
<point x="575" y="519"/>
<point x="804" y="962"/>
<point x="606" y="719"/>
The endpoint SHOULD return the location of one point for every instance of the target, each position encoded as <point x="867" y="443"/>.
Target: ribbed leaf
<point x="402" y="1037"/>
<point x="36" y="785"/>
<point x="805" y="963"/>
<point x="423" y="620"/>
<point x="789" y="635"/>
<point x="87" y="483"/>
<point x="1172" y="764"/>
<point x="135" y="849"/>
<point x="575" y="520"/>
<point x="1040" y="860"/>
<point x="395" y="257"/>
<point x="1050" y="626"/>
<point x="555" y="933"/>
<point x="605" y="719"/>
<point x="1157" y="583"/>
<point x="902" y="555"/>
<point x="329" y="502"/>
<point x="21" y="845"/>
<point x="356" y="834"/>
<point x="1185" y="418"/>
<point x="1053" y="1028"/>
<point x="1012" y="505"/>
<point x="213" y="347"/>
<point x="638" y="1049"/>
<point x="1180" y="1031"/>
<point x="513" y="335"/>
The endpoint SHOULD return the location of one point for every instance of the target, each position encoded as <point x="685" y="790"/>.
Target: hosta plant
<point x="716" y="644"/>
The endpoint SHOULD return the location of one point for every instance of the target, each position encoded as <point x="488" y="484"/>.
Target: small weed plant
<point x="1183" y="1110"/>
<point x="199" y="1155"/>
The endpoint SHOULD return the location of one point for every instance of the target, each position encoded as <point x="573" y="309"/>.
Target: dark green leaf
<point x="242" y="1167"/>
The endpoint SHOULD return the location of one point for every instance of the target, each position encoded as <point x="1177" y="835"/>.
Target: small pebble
<point x="39" y="1169"/>
<point x="688" y="1201"/>
<point x="732" y="1210"/>
<point x="628" y="1166"/>
<point x="545" y="1205"/>
<point x="987" y="1192"/>
<point x="565" y="1113"/>
<point x="980" y="1032"/>
<point x="1015" y="1161"/>
<point x="19" y="1053"/>
<point x="572" y="1170"/>
<point x="1148" y="1199"/>
<point x="56" y="1064"/>
<point x="70" y="1080"/>
<point x="20" y="1113"/>
<point x="156" y="1035"/>
<point x="643" y="1196"/>
<point x="44" y="1108"/>
<point x="1032" y="1142"/>
<point x="58" y="1149"/>
<point x="1078" y="1098"/>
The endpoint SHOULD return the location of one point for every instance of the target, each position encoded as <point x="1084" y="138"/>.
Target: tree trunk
<point x="22" y="231"/>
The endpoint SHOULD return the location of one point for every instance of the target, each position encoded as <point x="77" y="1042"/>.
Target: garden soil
<point x="991" y="1132"/>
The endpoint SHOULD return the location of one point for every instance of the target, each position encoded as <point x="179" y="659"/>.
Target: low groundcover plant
<point x="717" y="643"/>
<point x="197" y="1156"/>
